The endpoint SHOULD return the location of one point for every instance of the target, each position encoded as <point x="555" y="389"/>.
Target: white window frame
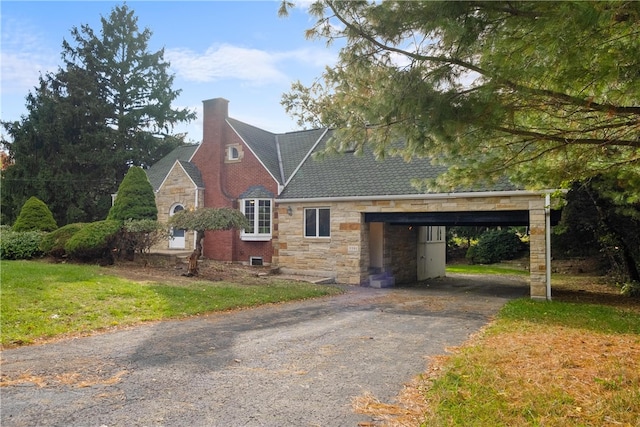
<point x="256" y="235"/>
<point x="316" y="234"/>
<point x="233" y="153"/>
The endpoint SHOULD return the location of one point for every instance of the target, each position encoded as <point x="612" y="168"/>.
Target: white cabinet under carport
<point x="432" y="252"/>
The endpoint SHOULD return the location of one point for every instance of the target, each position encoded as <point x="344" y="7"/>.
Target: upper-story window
<point x="258" y="212"/>
<point x="234" y="153"/>
<point x="317" y="222"/>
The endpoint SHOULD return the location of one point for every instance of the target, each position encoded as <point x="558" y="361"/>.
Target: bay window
<point x="258" y="213"/>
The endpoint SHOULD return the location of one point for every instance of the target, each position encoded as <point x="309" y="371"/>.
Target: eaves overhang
<point x="430" y="196"/>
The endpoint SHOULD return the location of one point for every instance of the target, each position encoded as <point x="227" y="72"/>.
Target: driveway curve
<point x="293" y="364"/>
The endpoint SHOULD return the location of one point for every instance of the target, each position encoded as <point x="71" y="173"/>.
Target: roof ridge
<point x="250" y="125"/>
<point x="280" y="163"/>
<point x="304" y="159"/>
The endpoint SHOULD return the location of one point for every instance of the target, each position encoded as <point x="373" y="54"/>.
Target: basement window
<point x="255" y="260"/>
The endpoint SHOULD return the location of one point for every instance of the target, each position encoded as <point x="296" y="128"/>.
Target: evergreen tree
<point x="35" y="216"/>
<point x="107" y="108"/>
<point x="135" y="199"/>
<point x="547" y="92"/>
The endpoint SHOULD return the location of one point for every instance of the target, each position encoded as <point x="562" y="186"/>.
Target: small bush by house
<point x="53" y="243"/>
<point x="20" y="244"/>
<point x="95" y="241"/>
<point x="495" y="246"/>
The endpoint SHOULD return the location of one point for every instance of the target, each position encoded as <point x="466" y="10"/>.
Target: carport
<point x="432" y="221"/>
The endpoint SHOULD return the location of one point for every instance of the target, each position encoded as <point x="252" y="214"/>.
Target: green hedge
<point x="53" y="243"/>
<point x="95" y="241"/>
<point x="495" y="246"/>
<point x="35" y="216"/>
<point x="20" y="244"/>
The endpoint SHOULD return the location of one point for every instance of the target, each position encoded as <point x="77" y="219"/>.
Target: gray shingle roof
<point x="362" y="175"/>
<point x="294" y="147"/>
<point x="287" y="157"/>
<point x="257" y="192"/>
<point x="262" y="143"/>
<point x="158" y="172"/>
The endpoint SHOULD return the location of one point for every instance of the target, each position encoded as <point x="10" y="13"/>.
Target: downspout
<point x="196" y="206"/>
<point x="547" y="228"/>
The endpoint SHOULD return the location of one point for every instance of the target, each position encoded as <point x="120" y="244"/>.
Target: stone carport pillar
<point x="538" y="249"/>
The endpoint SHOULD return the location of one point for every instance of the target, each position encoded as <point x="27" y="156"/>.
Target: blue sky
<point x="238" y="50"/>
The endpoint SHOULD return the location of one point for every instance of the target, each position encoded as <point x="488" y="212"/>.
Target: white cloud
<point x="20" y="72"/>
<point x="253" y="66"/>
<point x="23" y="58"/>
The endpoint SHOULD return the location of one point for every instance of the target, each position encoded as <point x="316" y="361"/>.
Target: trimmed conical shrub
<point x="135" y="199"/>
<point x="35" y="216"/>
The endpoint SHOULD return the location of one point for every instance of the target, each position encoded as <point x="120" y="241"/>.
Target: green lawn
<point x="485" y="269"/>
<point x="543" y="364"/>
<point x="41" y="300"/>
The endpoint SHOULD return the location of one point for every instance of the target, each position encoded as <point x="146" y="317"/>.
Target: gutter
<point x="435" y="196"/>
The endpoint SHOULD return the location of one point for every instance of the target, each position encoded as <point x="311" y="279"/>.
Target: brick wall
<point x="226" y="180"/>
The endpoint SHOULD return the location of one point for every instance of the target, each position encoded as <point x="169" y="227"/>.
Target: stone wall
<point x="401" y="251"/>
<point x="345" y="256"/>
<point x="177" y="188"/>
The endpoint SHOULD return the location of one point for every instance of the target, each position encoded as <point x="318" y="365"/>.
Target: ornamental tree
<point x="207" y="219"/>
<point x="135" y="199"/>
<point x="35" y="216"/>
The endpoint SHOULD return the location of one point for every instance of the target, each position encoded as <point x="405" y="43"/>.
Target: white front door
<point x="432" y="252"/>
<point x="177" y="240"/>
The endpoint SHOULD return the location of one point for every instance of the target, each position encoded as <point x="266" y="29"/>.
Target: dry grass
<point x="73" y="379"/>
<point x="521" y="374"/>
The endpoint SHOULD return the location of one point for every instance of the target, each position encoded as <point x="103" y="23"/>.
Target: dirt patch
<point x="159" y="268"/>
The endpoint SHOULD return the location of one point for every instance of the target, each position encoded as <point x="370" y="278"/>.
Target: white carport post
<point x="547" y="226"/>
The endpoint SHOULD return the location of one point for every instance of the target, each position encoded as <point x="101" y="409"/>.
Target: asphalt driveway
<point x="294" y="364"/>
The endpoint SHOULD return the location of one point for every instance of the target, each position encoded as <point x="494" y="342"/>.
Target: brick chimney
<point x="215" y="112"/>
<point x="209" y="158"/>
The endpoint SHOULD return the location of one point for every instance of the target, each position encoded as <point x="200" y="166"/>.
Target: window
<point x="317" y="222"/>
<point x="258" y="212"/>
<point x="234" y="153"/>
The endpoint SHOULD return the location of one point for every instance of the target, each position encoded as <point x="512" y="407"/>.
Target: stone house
<point x="348" y="216"/>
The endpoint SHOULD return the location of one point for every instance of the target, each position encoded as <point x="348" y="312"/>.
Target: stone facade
<point x="344" y="255"/>
<point x="178" y="188"/>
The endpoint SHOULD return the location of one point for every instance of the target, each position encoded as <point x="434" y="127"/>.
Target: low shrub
<point x="95" y="241"/>
<point x="495" y="246"/>
<point x="631" y="289"/>
<point x="137" y="236"/>
<point x="53" y="243"/>
<point x="20" y="244"/>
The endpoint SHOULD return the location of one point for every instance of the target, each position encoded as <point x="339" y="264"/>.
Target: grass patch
<point x="552" y="363"/>
<point x="41" y="300"/>
<point x="485" y="269"/>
